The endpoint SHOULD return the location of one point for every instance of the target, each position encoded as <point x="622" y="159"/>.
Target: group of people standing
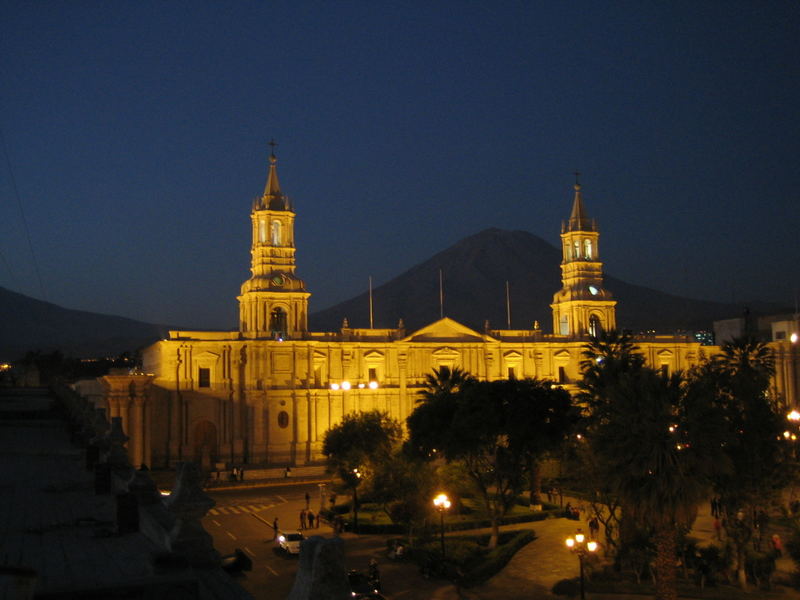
<point x="308" y="520"/>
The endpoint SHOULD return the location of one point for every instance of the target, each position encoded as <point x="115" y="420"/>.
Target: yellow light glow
<point x="579" y="537"/>
<point x="793" y="338"/>
<point x="442" y="502"/>
<point x="373" y="385"/>
<point x="345" y="385"/>
<point x="570" y="542"/>
<point x="787" y="435"/>
<point x="361" y="386"/>
<point x="591" y="546"/>
<point x="793" y="416"/>
<point x="334" y="386"/>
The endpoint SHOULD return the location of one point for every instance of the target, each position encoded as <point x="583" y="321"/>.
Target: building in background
<point x="267" y="393"/>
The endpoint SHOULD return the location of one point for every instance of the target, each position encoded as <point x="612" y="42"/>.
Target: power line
<point x="22" y="213"/>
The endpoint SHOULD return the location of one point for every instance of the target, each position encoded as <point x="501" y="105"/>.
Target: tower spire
<point x="273" y="199"/>
<point x="578" y="219"/>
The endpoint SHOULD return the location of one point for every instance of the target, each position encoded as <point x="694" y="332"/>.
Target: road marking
<point x="262" y="519"/>
<point x="256" y="508"/>
<point x="250" y="552"/>
<point x="215" y="522"/>
<point x="282" y="499"/>
<point x="274" y="572"/>
<point x="233" y="537"/>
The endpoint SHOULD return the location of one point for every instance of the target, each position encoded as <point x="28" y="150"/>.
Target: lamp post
<point x="442" y="503"/>
<point x="578" y="545"/>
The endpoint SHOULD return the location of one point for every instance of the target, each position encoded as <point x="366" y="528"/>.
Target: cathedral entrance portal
<point x="205" y="444"/>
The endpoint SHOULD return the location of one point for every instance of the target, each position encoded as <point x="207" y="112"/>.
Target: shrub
<point x="567" y="587"/>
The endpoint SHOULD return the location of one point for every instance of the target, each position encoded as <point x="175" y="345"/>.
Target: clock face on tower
<point x="277" y="280"/>
<point x="593" y="290"/>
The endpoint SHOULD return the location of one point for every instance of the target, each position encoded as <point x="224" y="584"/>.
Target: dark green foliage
<point x="567" y="587"/>
<point x="495" y="430"/>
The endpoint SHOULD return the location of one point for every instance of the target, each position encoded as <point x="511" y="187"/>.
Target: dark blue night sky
<point x="136" y="133"/>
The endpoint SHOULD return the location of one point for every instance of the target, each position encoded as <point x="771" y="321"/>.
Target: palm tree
<point x="444" y="381"/>
<point x="739" y="380"/>
<point x="605" y="358"/>
<point x="655" y="448"/>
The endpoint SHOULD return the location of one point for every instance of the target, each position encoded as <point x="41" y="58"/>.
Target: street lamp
<point x="578" y="545"/>
<point x="442" y="503"/>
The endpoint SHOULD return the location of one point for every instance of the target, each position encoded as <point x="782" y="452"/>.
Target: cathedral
<point x="266" y="394"/>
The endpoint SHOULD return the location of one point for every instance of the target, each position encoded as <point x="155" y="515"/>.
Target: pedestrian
<point x="303" y="515"/>
<point x="241" y="473"/>
<point x="308" y="499"/>
<point x="718" y="528"/>
<point x="310" y="518"/>
<point x="777" y="545"/>
<point x="235" y="473"/>
<point x="374" y="574"/>
<point x="287" y="472"/>
<point x="275" y="528"/>
<point x="594" y="527"/>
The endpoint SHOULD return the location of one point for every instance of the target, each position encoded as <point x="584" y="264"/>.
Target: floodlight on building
<point x="334" y="386"/>
<point x="373" y="385"/>
<point x="345" y="385"/>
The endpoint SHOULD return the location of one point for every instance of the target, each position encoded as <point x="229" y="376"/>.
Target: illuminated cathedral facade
<point x="266" y="394"/>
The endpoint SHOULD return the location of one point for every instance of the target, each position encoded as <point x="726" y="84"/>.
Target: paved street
<point x="243" y="517"/>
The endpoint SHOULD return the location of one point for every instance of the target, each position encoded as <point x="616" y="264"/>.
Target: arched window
<point x="277" y="322"/>
<point x="594" y="326"/>
<point x="276" y="233"/>
<point x="262" y="231"/>
<point x="563" y="325"/>
<point x="587" y="249"/>
<point x="577" y="249"/>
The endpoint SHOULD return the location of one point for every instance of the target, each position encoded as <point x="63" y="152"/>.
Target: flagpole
<point x="441" y="296"/>
<point x="508" y="307"/>
<point x="371" y="322"/>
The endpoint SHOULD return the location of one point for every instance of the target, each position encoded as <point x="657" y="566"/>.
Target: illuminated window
<point x="203" y="377"/>
<point x="587" y="249"/>
<point x="276" y="233"/>
<point x="594" y="326"/>
<point x="577" y="249"/>
<point x="262" y="231"/>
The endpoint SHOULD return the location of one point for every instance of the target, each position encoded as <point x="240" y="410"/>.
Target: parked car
<point x="290" y="541"/>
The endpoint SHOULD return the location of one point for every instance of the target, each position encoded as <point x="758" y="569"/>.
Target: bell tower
<point x="583" y="306"/>
<point x="273" y="302"/>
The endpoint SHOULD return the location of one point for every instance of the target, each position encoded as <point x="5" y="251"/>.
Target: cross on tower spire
<point x="272" y="144"/>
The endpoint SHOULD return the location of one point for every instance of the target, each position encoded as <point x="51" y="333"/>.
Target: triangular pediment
<point x="446" y="330"/>
<point x="562" y="355"/>
<point x="207" y="356"/>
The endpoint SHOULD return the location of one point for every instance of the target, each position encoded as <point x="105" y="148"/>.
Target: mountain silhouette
<point x="30" y="324"/>
<point x="474" y="273"/>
